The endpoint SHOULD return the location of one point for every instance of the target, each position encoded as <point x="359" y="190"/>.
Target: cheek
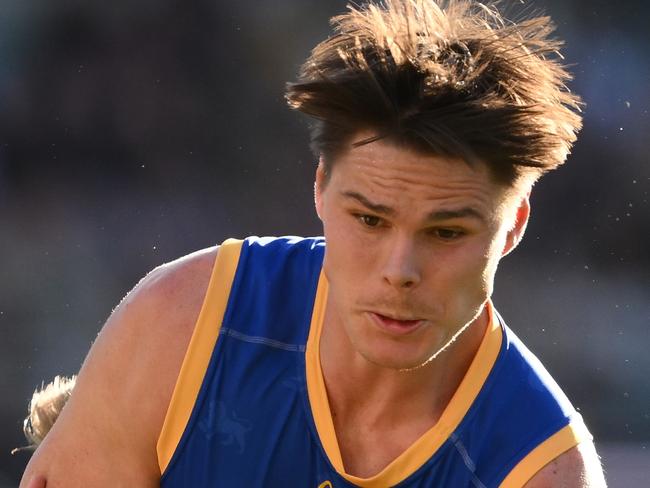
<point x="346" y="245"/>
<point x="470" y="269"/>
<point x="488" y="266"/>
<point x="342" y="253"/>
<point x="350" y="264"/>
<point x="494" y="253"/>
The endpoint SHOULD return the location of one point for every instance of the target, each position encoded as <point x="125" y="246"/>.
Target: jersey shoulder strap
<point x="521" y="420"/>
<point x="257" y="287"/>
<point x="199" y="351"/>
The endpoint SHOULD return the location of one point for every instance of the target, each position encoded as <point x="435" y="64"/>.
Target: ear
<point x="516" y="232"/>
<point x="319" y="186"/>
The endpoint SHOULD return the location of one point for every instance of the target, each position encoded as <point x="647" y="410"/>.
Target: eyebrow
<point x="375" y="207"/>
<point x="456" y="214"/>
<point x="436" y="215"/>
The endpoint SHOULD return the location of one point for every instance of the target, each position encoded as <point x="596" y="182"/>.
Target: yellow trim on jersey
<point x="199" y="351"/>
<point x="560" y="442"/>
<point x="422" y="449"/>
<point x="315" y="382"/>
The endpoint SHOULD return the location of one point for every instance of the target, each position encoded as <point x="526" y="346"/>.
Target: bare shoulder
<point x="106" y="435"/>
<point x="579" y="467"/>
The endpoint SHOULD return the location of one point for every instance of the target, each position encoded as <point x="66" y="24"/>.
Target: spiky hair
<point x="450" y="77"/>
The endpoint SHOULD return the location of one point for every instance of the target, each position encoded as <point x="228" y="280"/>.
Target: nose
<point x="401" y="268"/>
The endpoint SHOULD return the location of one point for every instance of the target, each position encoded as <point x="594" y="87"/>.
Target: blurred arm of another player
<point x="107" y="433"/>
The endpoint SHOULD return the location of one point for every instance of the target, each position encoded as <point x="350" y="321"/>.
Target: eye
<point x="447" y="234"/>
<point x="369" y="220"/>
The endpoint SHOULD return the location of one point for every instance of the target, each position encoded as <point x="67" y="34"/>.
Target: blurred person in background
<point x="378" y="358"/>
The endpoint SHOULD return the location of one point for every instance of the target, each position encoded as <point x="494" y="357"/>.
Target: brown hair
<point x="450" y="78"/>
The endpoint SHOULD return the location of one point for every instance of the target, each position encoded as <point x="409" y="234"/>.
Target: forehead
<point x="398" y="174"/>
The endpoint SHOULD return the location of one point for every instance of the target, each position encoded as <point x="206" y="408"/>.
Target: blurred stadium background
<point x="133" y="133"/>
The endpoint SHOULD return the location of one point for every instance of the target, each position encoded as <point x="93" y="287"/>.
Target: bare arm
<point x="579" y="467"/>
<point x="106" y="435"/>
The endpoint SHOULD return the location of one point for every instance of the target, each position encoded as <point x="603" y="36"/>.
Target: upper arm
<point x="106" y="435"/>
<point x="579" y="467"/>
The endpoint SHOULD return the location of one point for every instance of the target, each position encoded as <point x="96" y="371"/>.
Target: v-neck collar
<point x="426" y="446"/>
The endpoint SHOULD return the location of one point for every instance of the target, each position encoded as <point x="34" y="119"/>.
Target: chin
<point x="397" y="364"/>
<point x="396" y="353"/>
<point x="398" y="359"/>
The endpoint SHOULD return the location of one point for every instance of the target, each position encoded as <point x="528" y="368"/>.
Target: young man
<point x="378" y="359"/>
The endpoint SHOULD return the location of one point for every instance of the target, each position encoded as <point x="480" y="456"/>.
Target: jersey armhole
<point x="566" y="438"/>
<point x="199" y="351"/>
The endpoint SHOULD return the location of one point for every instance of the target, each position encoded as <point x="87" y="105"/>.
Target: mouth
<point x="395" y="325"/>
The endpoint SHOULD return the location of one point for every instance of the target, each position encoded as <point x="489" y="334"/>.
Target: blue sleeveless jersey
<point x="250" y="407"/>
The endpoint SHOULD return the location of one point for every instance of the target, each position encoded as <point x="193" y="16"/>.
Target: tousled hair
<point x="446" y="77"/>
<point x="44" y="408"/>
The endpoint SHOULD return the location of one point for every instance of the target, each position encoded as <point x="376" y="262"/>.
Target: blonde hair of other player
<point x="45" y="407"/>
